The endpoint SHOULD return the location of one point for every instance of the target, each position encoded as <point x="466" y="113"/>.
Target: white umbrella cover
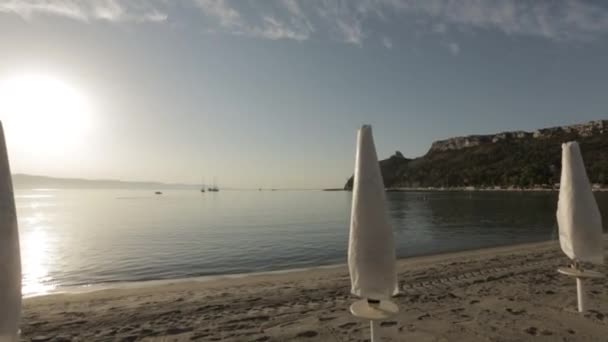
<point x="371" y="249"/>
<point x="10" y="262"/>
<point x="578" y="217"/>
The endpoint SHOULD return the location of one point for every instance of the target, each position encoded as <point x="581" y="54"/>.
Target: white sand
<point x="498" y="294"/>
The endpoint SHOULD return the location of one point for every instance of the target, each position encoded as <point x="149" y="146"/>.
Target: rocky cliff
<point x="391" y="169"/>
<point x="581" y="130"/>
<point x="508" y="159"/>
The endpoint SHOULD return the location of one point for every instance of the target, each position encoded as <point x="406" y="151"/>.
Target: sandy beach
<point x="498" y="294"/>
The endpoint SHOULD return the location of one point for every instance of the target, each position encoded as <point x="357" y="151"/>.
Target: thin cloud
<point x="387" y="42"/>
<point x="343" y="19"/>
<point x="556" y="20"/>
<point x="270" y="27"/>
<point x="440" y="28"/>
<point x="28" y="9"/>
<point x="228" y="17"/>
<point x="454" y="48"/>
<point x="351" y="30"/>
<point x="275" y="29"/>
<point x="106" y="10"/>
<point x="293" y="7"/>
<point x="351" y="22"/>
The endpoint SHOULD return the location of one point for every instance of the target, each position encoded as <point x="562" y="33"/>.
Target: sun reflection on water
<point x="35" y="254"/>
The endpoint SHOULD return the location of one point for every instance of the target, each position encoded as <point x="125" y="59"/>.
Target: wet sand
<point x="498" y="294"/>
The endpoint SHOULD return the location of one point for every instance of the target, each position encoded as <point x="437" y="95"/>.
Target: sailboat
<point x="203" y="185"/>
<point x="214" y="188"/>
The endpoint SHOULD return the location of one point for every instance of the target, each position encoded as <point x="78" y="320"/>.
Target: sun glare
<point x="43" y="114"/>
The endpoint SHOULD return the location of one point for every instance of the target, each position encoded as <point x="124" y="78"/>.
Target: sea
<point x="79" y="238"/>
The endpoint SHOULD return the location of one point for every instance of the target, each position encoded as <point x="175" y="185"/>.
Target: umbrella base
<point x="573" y="272"/>
<point x="381" y="310"/>
<point x="375" y="311"/>
<point x="580" y="275"/>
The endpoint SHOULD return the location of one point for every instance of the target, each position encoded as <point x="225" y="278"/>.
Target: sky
<point x="271" y="93"/>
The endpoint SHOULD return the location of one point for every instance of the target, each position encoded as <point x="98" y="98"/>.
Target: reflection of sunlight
<point x="34" y="220"/>
<point x="40" y="204"/>
<point x="34" y="196"/>
<point x="35" y="253"/>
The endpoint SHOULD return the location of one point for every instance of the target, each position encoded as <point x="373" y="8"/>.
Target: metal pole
<point x="374" y="331"/>
<point x="580" y="291"/>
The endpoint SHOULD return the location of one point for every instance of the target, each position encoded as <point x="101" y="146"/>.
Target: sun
<point x="43" y="114"/>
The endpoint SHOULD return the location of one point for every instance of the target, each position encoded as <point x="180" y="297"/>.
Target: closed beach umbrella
<point x="578" y="218"/>
<point x="10" y="263"/>
<point x="371" y="249"/>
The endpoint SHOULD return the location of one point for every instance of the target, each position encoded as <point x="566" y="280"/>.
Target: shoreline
<point x="104" y="286"/>
<point x="128" y="286"/>
<point x="463" y="189"/>
<point x="120" y="285"/>
<point x="498" y="293"/>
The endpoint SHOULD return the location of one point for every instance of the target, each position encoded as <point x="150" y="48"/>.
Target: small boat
<point x="214" y="188"/>
<point x="158" y="193"/>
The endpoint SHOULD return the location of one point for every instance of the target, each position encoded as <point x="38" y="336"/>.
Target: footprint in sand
<point x="420" y="318"/>
<point x="347" y="325"/>
<point x="41" y="338"/>
<point x="308" y="333"/>
<point x="388" y="324"/>
<point x="178" y="330"/>
<point x="515" y="312"/>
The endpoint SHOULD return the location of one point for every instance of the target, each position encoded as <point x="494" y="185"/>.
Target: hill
<point x="507" y="160"/>
<point x="22" y="181"/>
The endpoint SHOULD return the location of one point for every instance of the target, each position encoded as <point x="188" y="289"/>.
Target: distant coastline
<point x="470" y="189"/>
<point x="24" y="181"/>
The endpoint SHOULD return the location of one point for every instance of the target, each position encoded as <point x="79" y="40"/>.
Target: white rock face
<point x="371" y="249"/>
<point x="10" y="262"/>
<point x="457" y="143"/>
<point x="578" y="217"/>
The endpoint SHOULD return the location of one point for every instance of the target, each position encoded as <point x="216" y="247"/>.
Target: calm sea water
<point x="83" y="237"/>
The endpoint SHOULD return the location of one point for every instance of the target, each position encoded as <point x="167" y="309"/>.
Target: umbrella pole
<point x="580" y="292"/>
<point x="580" y="288"/>
<point x="374" y="329"/>
<point x="577" y="272"/>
